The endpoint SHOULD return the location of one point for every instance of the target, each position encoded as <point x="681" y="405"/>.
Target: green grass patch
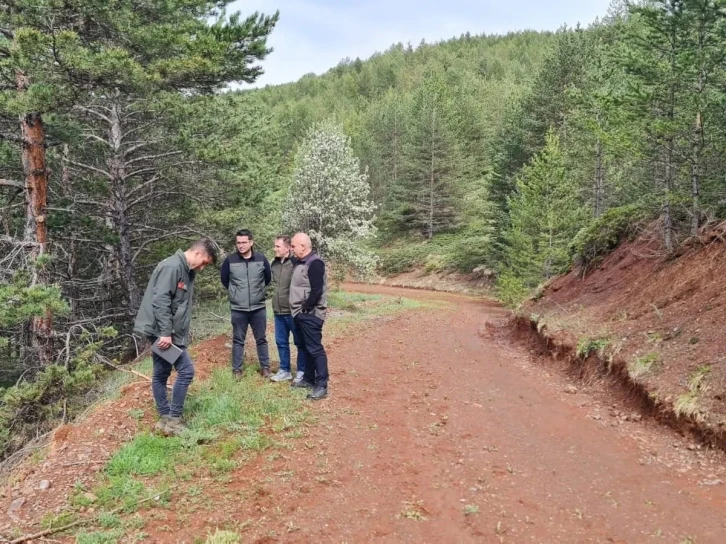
<point x="687" y="404"/>
<point x="586" y="346"/>
<point x="100" y="537"/>
<point x="223" y="537"/>
<point x="356" y="307"/>
<point x="147" y="454"/>
<point x="644" y="365"/>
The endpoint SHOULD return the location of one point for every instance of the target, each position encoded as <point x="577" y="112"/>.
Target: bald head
<point x="301" y="245"/>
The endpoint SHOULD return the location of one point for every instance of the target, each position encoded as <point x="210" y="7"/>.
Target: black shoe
<point x="302" y="384"/>
<point x="318" y="393"/>
<point x="237" y="374"/>
<point x="265" y="373"/>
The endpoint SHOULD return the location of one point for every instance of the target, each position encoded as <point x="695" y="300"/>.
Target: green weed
<point x="586" y="346"/>
<point x="100" y="537"/>
<point x="223" y="537"/>
<point x="643" y="365"/>
<point x="687" y="403"/>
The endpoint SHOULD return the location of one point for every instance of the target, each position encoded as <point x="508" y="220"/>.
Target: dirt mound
<point x="657" y="319"/>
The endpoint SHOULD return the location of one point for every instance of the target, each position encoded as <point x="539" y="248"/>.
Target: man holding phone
<point x="164" y="318"/>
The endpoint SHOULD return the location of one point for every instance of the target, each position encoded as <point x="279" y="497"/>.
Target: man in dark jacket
<point x="282" y="267"/>
<point x="308" y="304"/>
<point x="165" y="314"/>
<point x="245" y="274"/>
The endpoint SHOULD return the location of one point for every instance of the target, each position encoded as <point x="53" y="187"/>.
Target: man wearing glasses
<point x="245" y="274"/>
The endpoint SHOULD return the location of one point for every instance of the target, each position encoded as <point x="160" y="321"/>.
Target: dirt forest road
<point x="438" y="432"/>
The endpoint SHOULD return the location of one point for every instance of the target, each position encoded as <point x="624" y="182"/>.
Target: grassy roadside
<point x="230" y="423"/>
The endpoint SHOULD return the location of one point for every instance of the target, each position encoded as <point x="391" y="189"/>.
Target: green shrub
<point x="401" y="259"/>
<point x="604" y="234"/>
<point x="511" y="290"/>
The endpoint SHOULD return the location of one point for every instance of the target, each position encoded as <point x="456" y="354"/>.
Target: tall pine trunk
<point x="599" y="182"/>
<point x="430" y="233"/>
<point x="119" y="208"/>
<point x="36" y="229"/>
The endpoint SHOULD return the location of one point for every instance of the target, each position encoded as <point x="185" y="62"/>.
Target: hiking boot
<point x="237" y="374"/>
<point x="281" y="376"/>
<point x="299" y="376"/>
<point x="265" y="372"/>
<point x="175" y="426"/>
<point x="318" y="393"/>
<point x="302" y="384"/>
<point x="160" y="426"/>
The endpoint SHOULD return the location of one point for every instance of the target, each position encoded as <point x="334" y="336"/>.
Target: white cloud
<point x="314" y="35"/>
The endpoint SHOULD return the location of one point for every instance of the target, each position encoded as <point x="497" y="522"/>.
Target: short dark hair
<point x="208" y="246"/>
<point x="244" y="232"/>
<point x="285" y="239"/>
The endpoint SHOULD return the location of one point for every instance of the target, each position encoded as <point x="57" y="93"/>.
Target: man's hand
<point x="164" y="342"/>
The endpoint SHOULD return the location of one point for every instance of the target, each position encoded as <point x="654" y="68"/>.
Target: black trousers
<point x="310" y="329"/>
<point x="257" y="321"/>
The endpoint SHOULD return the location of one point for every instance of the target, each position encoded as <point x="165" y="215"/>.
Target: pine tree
<point x="57" y="56"/>
<point x="432" y="160"/>
<point x="545" y="215"/>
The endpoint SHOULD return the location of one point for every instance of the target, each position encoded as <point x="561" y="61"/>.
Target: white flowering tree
<point x="329" y="198"/>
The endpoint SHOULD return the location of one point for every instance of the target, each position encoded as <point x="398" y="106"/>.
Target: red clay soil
<point x="439" y="430"/>
<point x="649" y="306"/>
<point x="78" y="451"/>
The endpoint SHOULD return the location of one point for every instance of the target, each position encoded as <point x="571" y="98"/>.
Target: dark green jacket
<point x="281" y="278"/>
<point x="245" y="281"/>
<point x="166" y="309"/>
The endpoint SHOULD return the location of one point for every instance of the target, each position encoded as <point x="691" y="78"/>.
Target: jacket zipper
<point x="249" y="290"/>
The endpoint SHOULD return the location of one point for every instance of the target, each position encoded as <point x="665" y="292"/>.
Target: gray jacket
<point x="166" y="309"/>
<point x="309" y="287"/>
<point x="245" y="281"/>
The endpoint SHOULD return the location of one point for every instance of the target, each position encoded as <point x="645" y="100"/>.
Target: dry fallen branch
<point x="128" y="370"/>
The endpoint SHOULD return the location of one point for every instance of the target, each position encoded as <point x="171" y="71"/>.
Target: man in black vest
<point x="308" y="304"/>
<point x="245" y="274"/>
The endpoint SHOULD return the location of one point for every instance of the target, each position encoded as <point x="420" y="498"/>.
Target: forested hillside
<point x="120" y="141"/>
<point x="527" y="152"/>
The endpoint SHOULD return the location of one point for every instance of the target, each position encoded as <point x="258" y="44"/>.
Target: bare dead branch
<point x="12" y="183"/>
<point x="91" y="168"/>
<point x="153" y="157"/>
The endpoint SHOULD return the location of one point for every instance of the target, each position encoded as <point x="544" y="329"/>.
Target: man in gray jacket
<point x="309" y="306"/>
<point x="245" y="274"/>
<point x="282" y="267"/>
<point x="165" y="314"/>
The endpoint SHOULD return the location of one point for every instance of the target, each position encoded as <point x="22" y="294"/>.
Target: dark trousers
<point x="162" y="370"/>
<point x="257" y="321"/>
<point x="284" y="325"/>
<point x="310" y="330"/>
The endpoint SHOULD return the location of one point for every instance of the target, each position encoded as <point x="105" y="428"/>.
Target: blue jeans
<point x="162" y="370"/>
<point x="284" y="325"/>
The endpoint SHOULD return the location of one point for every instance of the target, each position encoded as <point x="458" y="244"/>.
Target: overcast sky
<point x="314" y="35"/>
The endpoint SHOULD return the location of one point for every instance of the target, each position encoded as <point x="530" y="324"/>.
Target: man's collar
<point x="183" y="258"/>
<point x="306" y="257"/>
